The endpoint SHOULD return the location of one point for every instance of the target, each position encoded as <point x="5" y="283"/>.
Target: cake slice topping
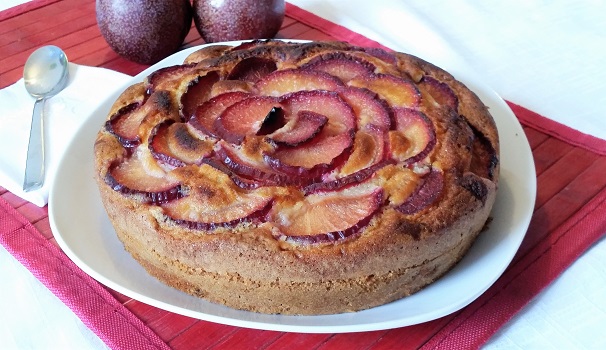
<point x="325" y="218"/>
<point x="321" y="130"/>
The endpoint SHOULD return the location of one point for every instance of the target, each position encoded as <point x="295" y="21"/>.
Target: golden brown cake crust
<point x="230" y="210"/>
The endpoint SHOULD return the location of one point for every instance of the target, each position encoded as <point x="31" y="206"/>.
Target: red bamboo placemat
<point x="568" y="218"/>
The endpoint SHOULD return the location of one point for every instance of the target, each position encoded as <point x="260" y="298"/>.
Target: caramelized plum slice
<point x="331" y="142"/>
<point x="427" y="192"/>
<point x="301" y="128"/>
<point x="133" y="178"/>
<point x="226" y="86"/>
<point x="159" y="107"/>
<point x="381" y="54"/>
<point x="124" y="124"/>
<point x="240" y="181"/>
<point x="132" y="124"/>
<point x="169" y="78"/>
<point x="286" y="81"/>
<point x="247" y="45"/>
<point x="347" y="181"/>
<point x="198" y="91"/>
<point x="197" y="214"/>
<point x="384" y="64"/>
<point x="414" y="137"/>
<point x="252" y="69"/>
<point x="368" y="107"/>
<point x="369" y="148"/>
<point x="327" y="218"/>
<point x="255" y="216"/>
<point x="205" y="115"/>
<point x="213" y="198"/>
<point x="247" y="167"/>
<point x="159" y="148"/>
<point x="174" y="144"/>
<point x="341" y="65"/>
<point x="320" y="151"/>
<point x="439" y="91"/>
<point x="367" y="157"/>
<point x="244" y="118"/>
<point x="398" y="92"/>
<point x="341" y="117"/>
<point x="207" y="52"/>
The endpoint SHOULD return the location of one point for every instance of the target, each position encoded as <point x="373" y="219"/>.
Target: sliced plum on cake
<point x="428" y="190"/>
<point x="384" y="61"/>
<point x="133" y="123"/>
<point x="341" y="65"/>
<point x="439" y="91"/>
<point x="124" y="124"/>
<point x="370" y="151"/>
<point x="398" y="92"/>
<point x="341" y="117"/>
<point x="252" y="69"/>
<point x="414" y="136"/>
<point x="175" y="144"/>
<point x="249" y="169"/>
<point x="251" y="44"/>
<point x="170" y="77"/>
<point x="332" y="141"/>
<point x="302" y="127"/>
<point x="368" y="107"/>
<point x="307" y="113"/>
<point x="225" y="86"/>
<point x="239" y="180"/>
<point x="197" y="92"/>
<point x="205" y="115"/>
<point x="373" y="118"/>
<point x="213" y="201"/>
<point x="369" y="148"/>
<point x="139" y="178"/>
<point x="192" y="85"/>
<point x="286" y="81"/>
<point x="245" y="117"/>
<point x="381" y="54"/>
<point x="327" y="217"/>
<point x="347" y="180"/>
<point x="318" y="153"/>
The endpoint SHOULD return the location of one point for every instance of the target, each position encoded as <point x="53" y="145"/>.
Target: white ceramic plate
<point x="82" y="229"/>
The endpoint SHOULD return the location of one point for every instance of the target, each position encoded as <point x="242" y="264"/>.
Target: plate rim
<point x="488" y="96"/>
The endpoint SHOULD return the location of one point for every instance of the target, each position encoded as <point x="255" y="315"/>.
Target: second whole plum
<point x="223" y="20"/>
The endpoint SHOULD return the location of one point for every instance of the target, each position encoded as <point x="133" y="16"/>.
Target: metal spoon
<point x="45" y="74"/>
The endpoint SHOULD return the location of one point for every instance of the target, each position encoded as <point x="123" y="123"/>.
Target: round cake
<point x="298" y="178"/>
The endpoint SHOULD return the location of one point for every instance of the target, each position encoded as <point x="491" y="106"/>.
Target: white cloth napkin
<point x="63" y="115"/>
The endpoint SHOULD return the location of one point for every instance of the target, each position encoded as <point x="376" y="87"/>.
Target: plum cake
<point x="298" y="178"/>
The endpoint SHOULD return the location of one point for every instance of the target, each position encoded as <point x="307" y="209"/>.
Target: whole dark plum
<point x="144" y="31"/>
<point x="227" y="20"/>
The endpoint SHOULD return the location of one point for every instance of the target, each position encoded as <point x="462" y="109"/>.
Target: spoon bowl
<point x="45" y="75"/>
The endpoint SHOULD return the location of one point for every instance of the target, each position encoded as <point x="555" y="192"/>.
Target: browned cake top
<point x="312" y="141"/>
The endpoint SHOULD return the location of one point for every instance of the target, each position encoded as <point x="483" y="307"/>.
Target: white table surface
<point x="548" y="56"/>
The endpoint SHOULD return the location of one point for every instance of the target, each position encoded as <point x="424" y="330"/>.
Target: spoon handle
<point x="34" y="165"/>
